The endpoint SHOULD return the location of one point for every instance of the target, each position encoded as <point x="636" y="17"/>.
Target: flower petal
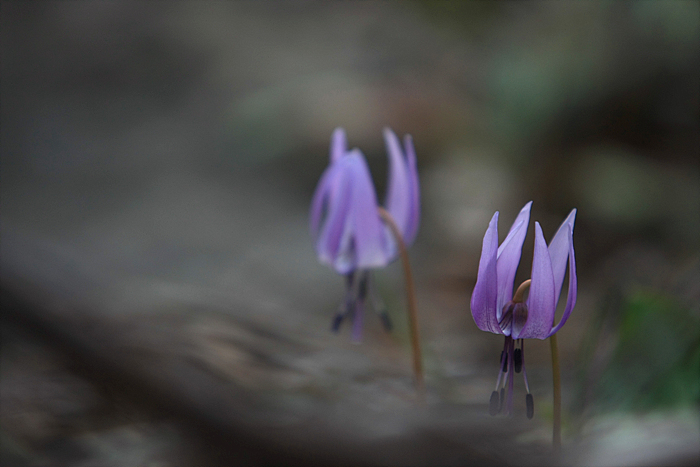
<point x="485" y="294"/>
<point x="319" y="199"/>
<point x="344" y="219"/>
<point x="327" y="185"/>
<point x="573" y="286"/>
<point x="509" y="257"/>
<point x="414" y="192"/>
<point x="366" y="227"/>
<point x="559" y="252"/>
<point x="345" y="259"/>
<point x="339" y="144"/>
<point x="398" y="197"/>
<point x="540" y="301"/>
<point x="329" y="241"/>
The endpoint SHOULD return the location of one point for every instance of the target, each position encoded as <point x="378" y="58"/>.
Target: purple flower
<point x="495" y="309"/>
<point x="349" y="233"/>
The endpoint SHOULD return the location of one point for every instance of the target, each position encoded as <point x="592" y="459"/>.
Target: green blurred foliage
<point x="656" y="360"/>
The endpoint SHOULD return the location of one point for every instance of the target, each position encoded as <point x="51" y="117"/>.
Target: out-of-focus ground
<point x="161" y="300"/>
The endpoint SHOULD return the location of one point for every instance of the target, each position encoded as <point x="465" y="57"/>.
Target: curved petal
<point x="327" y="185"/>
<point x="344" y="219"/>
<point x="414" y="192"/>
<point x="329" y="241"/>
<point x="398" y="185"/>
<point x="339" y="144"/>
<point x="573" y="286"/>
<point x="559" y="252"/>
<point x="540" y="301"/>
<point x="485" y="294"/>
<point x="319" y="199"/>
<point x="345" y="259"/>
<point x="366" y="227"/>
<point x="509" y="257"/>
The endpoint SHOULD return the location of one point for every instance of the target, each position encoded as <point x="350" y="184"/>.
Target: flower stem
<point x="556" y="430"/>
<point x="411" y="298"/>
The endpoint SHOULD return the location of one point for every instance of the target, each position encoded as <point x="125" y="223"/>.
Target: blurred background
<point x="161" y="299"/>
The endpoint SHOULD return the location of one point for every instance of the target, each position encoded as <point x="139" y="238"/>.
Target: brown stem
<point x="411" y="297"/>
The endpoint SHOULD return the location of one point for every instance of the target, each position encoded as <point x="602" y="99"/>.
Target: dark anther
<point x="504" y="358"/>
<point x="493" y="403"/>
<point x="335" y="326"/>
<point x="386" y="322"/>
<point x="502" y="399"/>
<point x="518" y="360"/>
<point x="530" y="404"/>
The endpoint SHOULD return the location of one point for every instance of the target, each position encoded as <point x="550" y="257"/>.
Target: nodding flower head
<point x="345" y="222"/>
<point x="497" y="310"/>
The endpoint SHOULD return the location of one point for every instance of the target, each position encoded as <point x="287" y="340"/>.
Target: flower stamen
<point x="512" y="360"/>
<point x="358" y="309"/>
<point x="529" y="401"/>
<point x="346" y="307"/>
<point x="518" y="356"/>
<point x="378" y="306"/>
<point x="511" y="367"/>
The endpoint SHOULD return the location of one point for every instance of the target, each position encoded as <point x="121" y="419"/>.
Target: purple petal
<point x="414" y="192"/>
<point x="319" y="199"/>
<point x="398" y="199"/>
<point x="509" y="257"/>
<point x="365" y="225"/>
<point x="559" y="252"/>
<point x="345" y="258"/>
<point x="327" y="185"/>
<point x="329" y="240"/>
<point x="540" y="301"/>
<point x="339" y="144"/>
<point x="573" y="286"/>
<point x="485" y="294"/>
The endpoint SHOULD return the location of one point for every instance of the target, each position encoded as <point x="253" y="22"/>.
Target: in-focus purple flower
<point x="494" y="308"/>
<point x="349" y="233"/>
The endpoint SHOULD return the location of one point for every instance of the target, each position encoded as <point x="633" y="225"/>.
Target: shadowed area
<point x="162" y="303"/>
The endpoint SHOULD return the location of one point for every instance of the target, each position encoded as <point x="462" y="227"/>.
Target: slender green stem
<point x="411" y="298"/>
<point x="556" y="433"/>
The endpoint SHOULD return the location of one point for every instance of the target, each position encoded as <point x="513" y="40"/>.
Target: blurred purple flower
<point x="495" y="311"/>
<point x="349" y="234"/>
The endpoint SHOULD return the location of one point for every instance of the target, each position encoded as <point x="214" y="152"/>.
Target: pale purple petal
<point x="484" y="296"/>
<point x="339" y="144"/>
<point x="345" y="259"/>
<point x="319" y="199"/>
<point x="509" y="257"/>
<point x="540" y="301"/>
<point x="367" y="228"/>
<point x="329" y="240"/>
<point x="328" y="184"/>
<point x="573" y="286"/>
<point x="398" y="199"/>
<point x="559" y="252"/>
<point x="414" y="192"/>
<point x="344" y="219"/>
